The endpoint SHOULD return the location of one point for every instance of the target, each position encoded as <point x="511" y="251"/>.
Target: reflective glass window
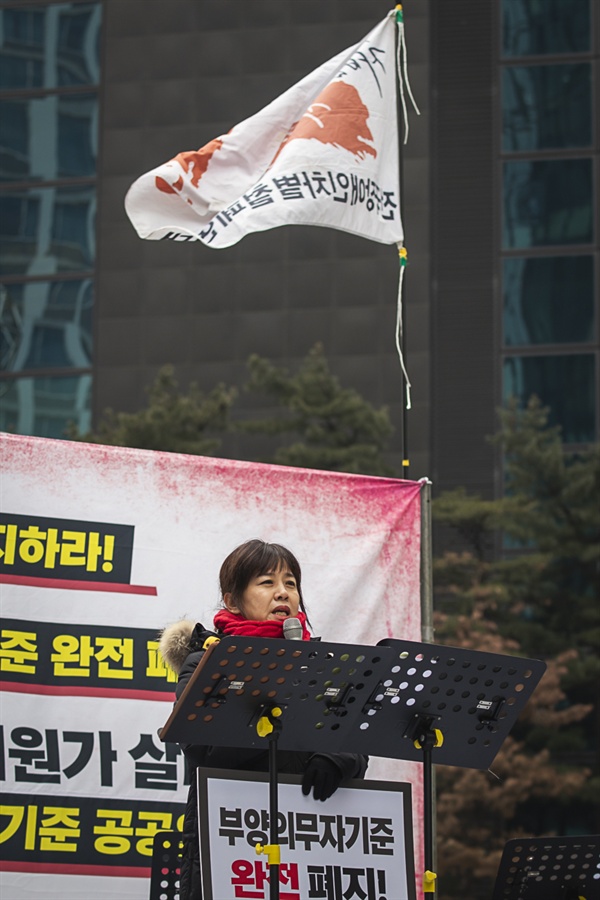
<point x="47" y="324"/>
<point x="548" y="300"/>
<point x="19" y="215"/>
<point x="14" y="141"/>
<point x="49" y="46"/>
<point x="563" y="383"/>
<point x="45" y="406"/>
<point x="77" y="135"/>
<point x="16" y="72"/>
<point x="547" y="202"/>
<point x="546" y="107"/>
<point x="48" y="137"/>
<point x="22" y="48"/>
<point x="534" y="27"/>
<point x="47" y="229"/>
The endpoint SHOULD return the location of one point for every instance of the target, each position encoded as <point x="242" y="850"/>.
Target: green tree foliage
<point x="328" y="426"/>
<point x="173" y="421"/>
<point x="553" y="512"/>
<point x="544" y="591"/>
<point x="525" y="582"/>
<point x="527" y="794"/>
<point x="316" y="423"/>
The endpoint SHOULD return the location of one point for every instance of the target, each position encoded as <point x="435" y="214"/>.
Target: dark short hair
<point x="254" y="558"/>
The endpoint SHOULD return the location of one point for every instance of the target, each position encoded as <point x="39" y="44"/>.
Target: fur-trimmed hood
<point x="175" y="643"/>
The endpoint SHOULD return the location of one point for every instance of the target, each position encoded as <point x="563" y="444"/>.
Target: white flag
<point x="323" y="153"/>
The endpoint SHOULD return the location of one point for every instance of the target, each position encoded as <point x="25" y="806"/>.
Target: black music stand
<point x="299" y="695"/>
<point x="166" y="866"/>
<point x="552" y="868"/>
<point x="400" y="699"/>
<point x="444" y="704"/>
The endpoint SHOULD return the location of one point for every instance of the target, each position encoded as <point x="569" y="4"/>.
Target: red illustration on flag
<point x="195" y="161"/>
<point x="337" y="117"/>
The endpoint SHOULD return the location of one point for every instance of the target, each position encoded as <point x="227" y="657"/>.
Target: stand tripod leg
<point x="425" y="738"/>
<point x="273" y="815"/>
<point x="429" y="876"/>
<point x="270" y="726"/>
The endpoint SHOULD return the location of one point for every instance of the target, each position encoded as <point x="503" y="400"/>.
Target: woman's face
<point x="272" y="596"/>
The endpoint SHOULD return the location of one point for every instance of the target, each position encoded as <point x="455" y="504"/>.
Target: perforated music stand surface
<point x="474" y="698"/>
<point x="165" y="874"/>
<point x="555" y="868"/>
<point x="359" y="699"/>
<point x="371" y="700"/>
<point x="321" y="688"/>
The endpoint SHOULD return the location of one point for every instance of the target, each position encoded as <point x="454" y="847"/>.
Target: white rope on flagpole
<point x="402" y="66"/>
<point x="402" y="253"/>
<point x="403" y="82"/>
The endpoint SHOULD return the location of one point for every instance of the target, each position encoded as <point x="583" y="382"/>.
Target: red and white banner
<point x="100" y="547"/>
<point x="323" y="153"/>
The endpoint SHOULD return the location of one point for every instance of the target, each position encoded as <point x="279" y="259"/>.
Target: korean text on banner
<point x="101" y="547"/>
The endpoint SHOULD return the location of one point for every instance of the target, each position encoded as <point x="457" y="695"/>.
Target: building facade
<point x="501" y="203"/>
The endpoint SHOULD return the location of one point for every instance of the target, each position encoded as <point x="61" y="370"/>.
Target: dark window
<point x="23" y="27"/>
<point x="547" y="202"/>
<point x="46" y="138"/>
<point x="72" y="228"/>
<point x="62" y="239"/>
<point x="49" y="323"/>
<point x="77" y="135"/>
<point x="45" y="405"/>
<point x="548" y="300"/>
<point x="18" y="219"/>
<point x="77" y="49"/>
<point x="14" y="140"/>
<point x="70" y="301"/>
<point x="17" y="73"/>
<point x="21" y="48"/>
<point x="563" y="383"/>
<point x="69" y="32"/>
<point x="546" y="107"/>
<point x="534" y="27"/>
<point x="47" y="347"/>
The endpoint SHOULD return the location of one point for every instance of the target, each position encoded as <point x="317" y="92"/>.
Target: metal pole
<point x="427" y="636"/>
<point x="428" y="811"/>
<point x="405" y="456"/>
<point x="427" y="630"/>
<point x="273" y="814"/>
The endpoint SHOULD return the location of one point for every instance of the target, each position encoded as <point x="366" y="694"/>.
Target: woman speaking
<point x="260" y="590"/>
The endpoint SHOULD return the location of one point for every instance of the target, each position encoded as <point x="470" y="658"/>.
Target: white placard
<point x="359" y="843"/>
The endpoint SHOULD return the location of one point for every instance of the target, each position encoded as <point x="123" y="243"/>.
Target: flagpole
<point x="405" y="457"/>
<point x="430" y="850"/>
<point x="400" y="117"/>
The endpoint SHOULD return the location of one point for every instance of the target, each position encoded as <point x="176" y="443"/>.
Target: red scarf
<point x="234" y="624"/>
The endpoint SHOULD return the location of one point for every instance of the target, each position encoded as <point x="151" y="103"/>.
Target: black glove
<point x="323" y="776"/>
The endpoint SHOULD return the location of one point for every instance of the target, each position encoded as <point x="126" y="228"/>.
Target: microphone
<point x="292" y="629"/>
